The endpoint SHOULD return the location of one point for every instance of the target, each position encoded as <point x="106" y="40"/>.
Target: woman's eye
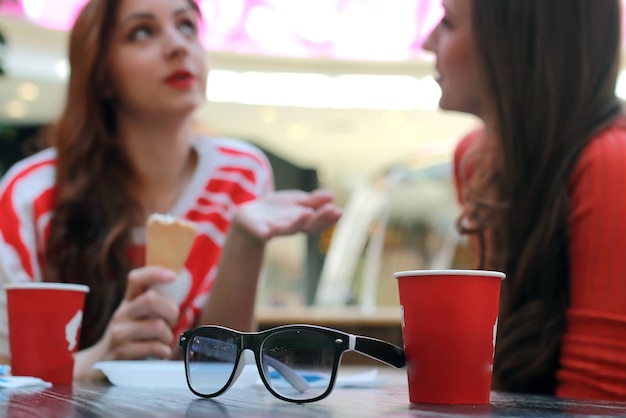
<point x="140" y="33"/>
<point x="188" y="28"/>
<point x="445" y="22"/>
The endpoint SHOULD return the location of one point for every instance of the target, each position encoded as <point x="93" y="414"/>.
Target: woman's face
<point x="460" y="72"/>
<point x="157" y="66"/>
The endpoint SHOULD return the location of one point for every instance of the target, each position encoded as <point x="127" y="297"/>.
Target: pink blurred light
<point x="225" y="32"/>
<point x="11" y="7"/>
<point x="57" y="14"/>
<point x="226" y="26"/>
<point x="266" y="17"/>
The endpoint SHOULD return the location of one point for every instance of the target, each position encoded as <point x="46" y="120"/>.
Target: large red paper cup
<point x="44" y="328"/>
<point x="449" y="321"/>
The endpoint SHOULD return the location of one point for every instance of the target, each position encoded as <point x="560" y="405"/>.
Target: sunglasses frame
<point x="371" y="347"/>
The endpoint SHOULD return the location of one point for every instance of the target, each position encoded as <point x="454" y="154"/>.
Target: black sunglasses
<point x="297" y="363"/>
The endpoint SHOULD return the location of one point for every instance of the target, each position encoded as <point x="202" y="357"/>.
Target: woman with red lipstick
<point x="122" y="149"/>
<point x="543" y="183"/>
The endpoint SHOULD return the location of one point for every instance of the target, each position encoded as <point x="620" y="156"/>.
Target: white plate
<point x="159" y="374"/>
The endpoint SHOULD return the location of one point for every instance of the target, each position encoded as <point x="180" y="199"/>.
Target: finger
<point x="142" y="330"/>
<point x="324" y="218"/>
<point x="140" y="279"/>
<point x="312" y="199"/>
<point x="323" y="194"/>
<point x="317" y="198"/>
<point x="152" y="304"/>
<point x="139" y="350"/>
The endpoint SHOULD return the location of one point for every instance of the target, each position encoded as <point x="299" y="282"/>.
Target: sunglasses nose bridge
<point x="250" y="342"/>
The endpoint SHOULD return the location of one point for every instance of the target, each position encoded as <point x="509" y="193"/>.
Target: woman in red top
<point x="543" y="183"/>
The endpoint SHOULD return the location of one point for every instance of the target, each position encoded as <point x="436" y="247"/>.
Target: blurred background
<point x="338" y="93"/>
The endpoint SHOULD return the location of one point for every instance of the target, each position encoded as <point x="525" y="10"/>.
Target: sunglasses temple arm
<point x="378" y="350"/>
<point x="288" y="373"/>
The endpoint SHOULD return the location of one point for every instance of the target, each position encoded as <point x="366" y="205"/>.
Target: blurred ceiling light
<point x="34" y="9"/>
<point x="308" y="90"/>
<point x="230" y="13"/>
<point x="28" y="91"/>
<point x="62" y="69"/>
<point x="306" y="22"/>
<point x="222" y="86"/>
<point x="269" y="89"/>
<point x="376" y="91"/>
<point x="15" y="109"/>
<point x="376" y="32"/>
<point x="262" y="24"/>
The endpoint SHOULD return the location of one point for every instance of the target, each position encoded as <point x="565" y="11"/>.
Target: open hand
<point x="287" y="212"/>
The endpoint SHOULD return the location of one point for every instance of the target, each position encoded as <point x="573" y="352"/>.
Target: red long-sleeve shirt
<point x="593" y="354"/>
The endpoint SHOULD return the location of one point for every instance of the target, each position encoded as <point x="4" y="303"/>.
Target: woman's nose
<point x="430" y="42"/>
<point x="174" y="42"/>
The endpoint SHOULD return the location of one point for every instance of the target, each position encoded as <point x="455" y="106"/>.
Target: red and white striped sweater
<point x="229" y="173"/>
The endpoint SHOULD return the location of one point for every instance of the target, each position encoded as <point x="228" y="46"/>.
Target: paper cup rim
<point x="47" y="286"/>
<point x="422" y="273"/>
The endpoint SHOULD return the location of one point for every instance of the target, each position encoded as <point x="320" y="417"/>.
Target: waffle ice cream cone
<point x="168" y="241"/>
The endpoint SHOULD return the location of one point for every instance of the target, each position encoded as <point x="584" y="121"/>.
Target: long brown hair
<point x="95" y="211"/>
<point x="552" y="68"/>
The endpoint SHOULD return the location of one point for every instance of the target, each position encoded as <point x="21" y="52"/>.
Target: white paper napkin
<point x="10" y="382"/>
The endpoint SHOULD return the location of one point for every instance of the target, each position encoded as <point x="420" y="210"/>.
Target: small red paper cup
<point x="44" y="328"/>
<point x="449" y="322"/>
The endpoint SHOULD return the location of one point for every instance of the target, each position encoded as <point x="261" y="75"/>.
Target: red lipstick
<point x="180" y="79"/>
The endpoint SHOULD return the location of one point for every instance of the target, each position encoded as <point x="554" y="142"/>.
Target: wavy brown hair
<point x="552" y="68"/>
<point x="95" y="211"/>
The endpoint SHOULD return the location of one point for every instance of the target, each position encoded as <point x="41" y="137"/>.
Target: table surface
<point x="390" y="399"/>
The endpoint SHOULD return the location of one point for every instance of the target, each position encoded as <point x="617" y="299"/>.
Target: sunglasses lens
<point x="212" y="355"/>
<point x="298" y="364"/>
